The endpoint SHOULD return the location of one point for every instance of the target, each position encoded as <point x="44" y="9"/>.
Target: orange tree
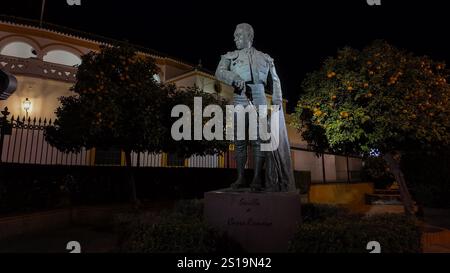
<point x="378" y="99"/>
<point x="117" y="103"/>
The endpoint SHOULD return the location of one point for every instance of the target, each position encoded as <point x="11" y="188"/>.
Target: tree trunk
<point x="134" y="199"/>
<point x="394" y="167"/>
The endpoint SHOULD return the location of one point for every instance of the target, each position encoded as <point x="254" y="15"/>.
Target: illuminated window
<point x="19" y="49"/>
<point x="62" y="57"/>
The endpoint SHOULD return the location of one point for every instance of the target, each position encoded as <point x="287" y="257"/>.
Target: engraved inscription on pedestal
<point x="260" y="222"/>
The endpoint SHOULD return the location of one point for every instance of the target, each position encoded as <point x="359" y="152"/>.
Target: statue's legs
<point x="241" y="160"/>
<point x="240" y="146"/>
<point x="259" y="98"/>
<point x="258" y="163"/>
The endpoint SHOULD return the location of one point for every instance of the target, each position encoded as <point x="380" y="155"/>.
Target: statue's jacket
<point x="251" y="66"/>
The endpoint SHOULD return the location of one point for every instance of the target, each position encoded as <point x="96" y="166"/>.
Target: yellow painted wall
<point x="352" y="195"/>
<point x="221" y="161"/>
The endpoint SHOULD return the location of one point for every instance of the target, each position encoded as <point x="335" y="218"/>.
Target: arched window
<point x="19" y="49"/>
<point x="62" y="57"/>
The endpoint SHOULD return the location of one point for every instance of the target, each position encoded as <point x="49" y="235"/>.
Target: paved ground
<point x="436" y="238"/>
<point x="91" y="241"/>
<point x="377" y="209"/>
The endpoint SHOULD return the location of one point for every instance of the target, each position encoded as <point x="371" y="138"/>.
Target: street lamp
<point x="26" y="106"/>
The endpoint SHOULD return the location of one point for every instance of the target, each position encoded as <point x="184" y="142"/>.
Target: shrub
<point x="350" y="234"/>
<point x="376" y="170"/>
<point x="126" y="224"/>
<point x="190" y="208"/>
<point x="28" y="188"/>
<point x="181" y="230"/>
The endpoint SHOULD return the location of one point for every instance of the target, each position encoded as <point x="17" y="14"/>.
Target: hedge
<point x="350" y="234"/>
<point x="182" y="230"/>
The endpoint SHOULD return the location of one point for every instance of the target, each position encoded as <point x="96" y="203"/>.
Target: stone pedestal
<point x="260" y="222"/>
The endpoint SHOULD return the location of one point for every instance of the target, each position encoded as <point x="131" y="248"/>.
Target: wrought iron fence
<point x="23" y="142"/>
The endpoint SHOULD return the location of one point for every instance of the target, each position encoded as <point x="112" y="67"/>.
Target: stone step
<point x="383" y="199"/>
<point x="387" y="192"/>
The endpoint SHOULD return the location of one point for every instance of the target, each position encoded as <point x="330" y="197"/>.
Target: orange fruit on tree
<point x="344" y="114"/>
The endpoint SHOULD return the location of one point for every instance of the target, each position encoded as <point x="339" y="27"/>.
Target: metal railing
<point x="22" y="141"/>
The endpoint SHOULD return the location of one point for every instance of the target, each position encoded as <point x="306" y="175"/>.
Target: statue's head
<point x="243" y="36"/>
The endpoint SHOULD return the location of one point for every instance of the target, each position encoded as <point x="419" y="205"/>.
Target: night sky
<point x="299" y="35"/>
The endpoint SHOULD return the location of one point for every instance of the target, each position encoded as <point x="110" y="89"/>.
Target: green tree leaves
<point x="378" y="98"/>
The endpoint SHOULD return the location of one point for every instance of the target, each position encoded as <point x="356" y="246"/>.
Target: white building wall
<point x="42" y="93"/>
<point x="307" y="161"/>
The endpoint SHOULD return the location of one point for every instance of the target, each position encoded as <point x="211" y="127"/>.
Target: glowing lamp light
<point x="26" y="105"/>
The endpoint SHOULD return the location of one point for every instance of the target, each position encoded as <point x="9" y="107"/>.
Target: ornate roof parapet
<point x="37" y="68"/>
<point x="94" y="39"/>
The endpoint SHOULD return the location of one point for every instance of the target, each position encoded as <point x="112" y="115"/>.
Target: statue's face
<point x="242" y="39"/>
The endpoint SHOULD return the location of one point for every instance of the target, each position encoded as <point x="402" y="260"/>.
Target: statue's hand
<point x="276" y="101"/>
<point x="275" y="108"/>
<point x="239" y="83"/>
